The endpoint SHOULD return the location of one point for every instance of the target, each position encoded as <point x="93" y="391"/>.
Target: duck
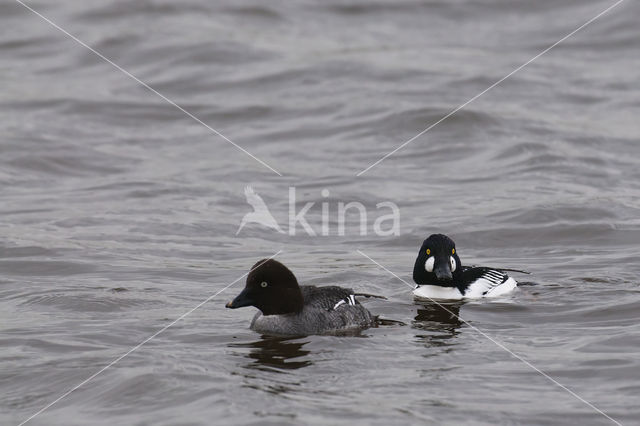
<point x="286" y="308"/>
<point x="439" y="274"/>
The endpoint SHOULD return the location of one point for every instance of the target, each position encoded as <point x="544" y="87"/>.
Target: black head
<point x="272" y="288"/>
<point x="438" y="262"/>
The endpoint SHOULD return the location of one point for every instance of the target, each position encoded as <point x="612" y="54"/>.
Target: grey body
<point x="319" y="315"/>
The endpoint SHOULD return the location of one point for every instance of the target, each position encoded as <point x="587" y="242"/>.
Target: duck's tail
<point x="367" y="295"/>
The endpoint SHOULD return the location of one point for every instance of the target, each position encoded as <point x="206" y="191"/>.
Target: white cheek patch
<point x="453" y="263"/>
<point x="428" y="265"/>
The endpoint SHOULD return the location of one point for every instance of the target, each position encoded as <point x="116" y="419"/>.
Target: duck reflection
<point x="442" y="320"/>
<point x="276" y="353"/>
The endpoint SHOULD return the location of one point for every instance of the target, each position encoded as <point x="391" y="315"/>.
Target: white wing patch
<point x="490" y="284"/>
<point x="351" y="300"/>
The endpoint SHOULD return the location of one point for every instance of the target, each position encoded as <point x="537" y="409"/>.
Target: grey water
<point x="119" y="213"/>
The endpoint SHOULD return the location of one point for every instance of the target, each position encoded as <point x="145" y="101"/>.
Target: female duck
<point x="439" y="274"/>
<point x="289" y="309"/>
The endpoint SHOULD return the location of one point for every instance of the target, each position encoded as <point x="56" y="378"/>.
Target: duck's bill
<point x="443" y="271"/>
<point x="241" y="300"/>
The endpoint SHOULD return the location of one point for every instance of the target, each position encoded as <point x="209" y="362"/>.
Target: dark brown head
<point x="272" y="288"/>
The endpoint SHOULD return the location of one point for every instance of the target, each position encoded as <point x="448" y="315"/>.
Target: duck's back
<point x="326" y="310"/>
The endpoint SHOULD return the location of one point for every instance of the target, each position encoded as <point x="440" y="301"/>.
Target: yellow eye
<point x="453" y="251"/>
<point x="428" y="252"/>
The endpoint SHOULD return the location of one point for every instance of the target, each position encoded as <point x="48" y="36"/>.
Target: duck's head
<point x="438" y="262"/>
<point x="272" y="288"/>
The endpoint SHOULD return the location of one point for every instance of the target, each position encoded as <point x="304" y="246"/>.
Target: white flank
<point x="506" y="287"/>
<point x="437" y="292"/>
<point x="482" y="287"/>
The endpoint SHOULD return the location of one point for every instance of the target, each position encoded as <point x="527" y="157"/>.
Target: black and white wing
<point x="486" y="282"/>
<point x="329" y="297"/>
<point x="348" y="301"/>
<point x="331" y="308"/>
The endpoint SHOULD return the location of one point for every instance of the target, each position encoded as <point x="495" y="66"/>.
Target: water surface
<point x="119" y="212"/>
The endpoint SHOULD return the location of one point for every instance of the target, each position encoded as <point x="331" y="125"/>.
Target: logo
<point x="340" y="215"/>
<point x="260" y="213"/>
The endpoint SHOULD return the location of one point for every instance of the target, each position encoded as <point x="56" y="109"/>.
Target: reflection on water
<point x="441" y="320"/>
<point x="275" y="353"/>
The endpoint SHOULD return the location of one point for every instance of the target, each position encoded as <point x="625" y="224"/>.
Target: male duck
<point x="439" y="274"/>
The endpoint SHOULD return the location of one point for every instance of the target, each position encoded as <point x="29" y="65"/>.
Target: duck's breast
<point x="427" y="292"/>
